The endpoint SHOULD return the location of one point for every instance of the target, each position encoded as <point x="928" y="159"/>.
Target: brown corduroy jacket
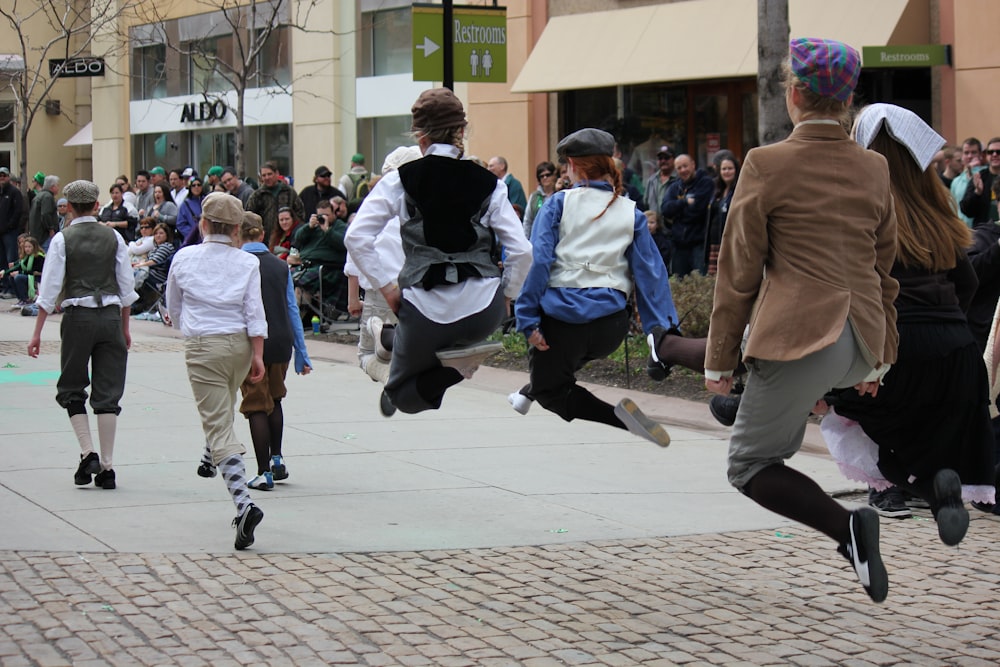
<point x="809" y="242"/>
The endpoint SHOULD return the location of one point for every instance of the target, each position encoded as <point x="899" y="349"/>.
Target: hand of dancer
<point x="722" y="387"/>
<point x="393" y="297"/>
<point x="537" y="340"/>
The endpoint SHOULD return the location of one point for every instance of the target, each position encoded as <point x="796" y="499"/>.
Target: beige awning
<point x="696" y="40"/>
<point x="85" y="136"/>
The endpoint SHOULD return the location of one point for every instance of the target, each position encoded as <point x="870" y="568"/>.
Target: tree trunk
<point x="240" y="133"/>
<point x="773" y="123"/>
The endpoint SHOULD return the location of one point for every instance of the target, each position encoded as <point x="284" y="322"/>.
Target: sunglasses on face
<point x="144" y="227"/>
<point x="196" y="185"/>
<point x="993" y="151"/>
<point x="664" y="158"/>
<point x="545" y="175"/>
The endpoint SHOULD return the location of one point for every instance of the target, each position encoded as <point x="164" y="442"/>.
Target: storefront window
<point x="750" y="120"/>
<point x="211" y="62"/>
<point x="149" y="72"/>
<point x="711" y="126"/>
<point x="377" y="137"/>
<point x="164" y="149"/>
<point x="274" y="61"/>
<point x="214" y="147"/>
<point x="386" y="37"/>
<point x="7" y="121"/>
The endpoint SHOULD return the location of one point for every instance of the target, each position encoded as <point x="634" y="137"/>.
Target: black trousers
<point x="94" y="337"/>
<point x="553" y="372"/>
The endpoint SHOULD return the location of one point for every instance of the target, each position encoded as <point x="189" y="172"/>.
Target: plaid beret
<point x="81" y="192"/>
<point x="827" y="67"/>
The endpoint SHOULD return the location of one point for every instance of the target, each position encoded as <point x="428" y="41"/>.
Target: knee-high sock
<point x="81" y="427"/>
<point x="260" y="434"/>
<point x="107" y="425"/>
<point x="234" y="474"/>
<point x="791" y="494"/>
<point x="276" y="420"/>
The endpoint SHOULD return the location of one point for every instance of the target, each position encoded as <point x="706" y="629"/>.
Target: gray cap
<point x="62" y="200"/>
<point x="588" y="141"/>
<point x="81" y="192"/>
<point x="222" y="207"/>
<point x="4" y="170"/>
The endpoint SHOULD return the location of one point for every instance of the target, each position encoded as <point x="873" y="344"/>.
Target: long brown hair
<point x="600" y="168"/>
<point x="929" y="234"/>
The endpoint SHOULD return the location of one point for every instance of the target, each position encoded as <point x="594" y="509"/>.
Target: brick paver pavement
<point x="750" y="598"/>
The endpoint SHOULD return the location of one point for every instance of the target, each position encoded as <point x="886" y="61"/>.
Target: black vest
<point x="274" y="290"/>
<point x="444" y="241"/>
<point x="91" y="249"/>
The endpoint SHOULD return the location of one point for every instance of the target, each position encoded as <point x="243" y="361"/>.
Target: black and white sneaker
<point x="206" y="470"/>
<point x="862" y="553"/>
<point x="245" y="524"/>
<point x="889" y="503"/>
<point x="952" y="517"/>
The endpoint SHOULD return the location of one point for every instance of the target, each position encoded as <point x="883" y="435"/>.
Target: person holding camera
<point x="320" y="243"/>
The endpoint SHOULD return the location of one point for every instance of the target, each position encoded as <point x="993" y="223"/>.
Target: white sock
<point x="107" y="424"/>
<point x="81" y="427"/>
<point x="234" y="474"/>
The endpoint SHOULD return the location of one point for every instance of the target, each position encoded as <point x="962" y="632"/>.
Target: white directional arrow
<point x="428" y="47"/>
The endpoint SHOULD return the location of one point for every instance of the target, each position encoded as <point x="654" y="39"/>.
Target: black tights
<point x="791" y="494"/>
<point x="265" y="431"/>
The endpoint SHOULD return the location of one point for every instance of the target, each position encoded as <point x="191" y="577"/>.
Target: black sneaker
<point x="206" y="470"/>
<point x="724" y="408"/>
<point x="245" y="524"/>
<point x="861" y="551"/>
<point x="889" y="503"/>
<point x="89" y="465"/>
<point x="385" y="405"/>
<point x="952" y="517"/>
<point x="105" y="480"/>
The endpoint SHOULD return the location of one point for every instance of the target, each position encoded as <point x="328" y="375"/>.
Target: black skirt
<point x="932" y="411"/>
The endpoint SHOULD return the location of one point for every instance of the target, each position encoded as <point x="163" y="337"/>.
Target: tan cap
<point x="251" y="223"/>
<point x="437" y="109"/>
<point x="223" y="208"/>
<point x="81" y="192"/>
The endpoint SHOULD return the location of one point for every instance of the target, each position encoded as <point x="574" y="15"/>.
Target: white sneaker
<point x="262" y="482"/>
<point x="375" y="326"/>
<point x="377" y="370"/>
<point x="519" y="402"/>
<point x="466" y="360"/>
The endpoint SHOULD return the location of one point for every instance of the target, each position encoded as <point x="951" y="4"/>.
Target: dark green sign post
<point x="478" y="43"/>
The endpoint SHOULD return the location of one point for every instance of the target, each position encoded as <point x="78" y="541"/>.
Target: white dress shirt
<point x="445" y="303"/>
<point x="213" y="289"/>
<point x="54" y="273"/>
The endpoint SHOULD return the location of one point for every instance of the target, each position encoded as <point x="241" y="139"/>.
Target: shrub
<point x="693" y="299"/>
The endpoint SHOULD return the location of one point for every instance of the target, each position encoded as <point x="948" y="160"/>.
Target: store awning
<point x="85" y="137"/>
<point x="695" y="40"/>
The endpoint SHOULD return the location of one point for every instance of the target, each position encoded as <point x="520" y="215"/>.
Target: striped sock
<point x="206" y="456"/>
<point x="234" y="474"/>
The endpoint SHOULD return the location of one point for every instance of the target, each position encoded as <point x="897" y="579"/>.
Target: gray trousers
<point x="774" y="409"/>
<point x="92" y="337"/>
<point x="417" y="381"/>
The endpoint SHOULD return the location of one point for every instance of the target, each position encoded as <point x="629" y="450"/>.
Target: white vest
<point x="591" y="253"/>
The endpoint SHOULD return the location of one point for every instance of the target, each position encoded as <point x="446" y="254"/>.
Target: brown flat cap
<point x="222" y="207"/>
<point x="251" y="223"/>
<point x="437" y="109"/>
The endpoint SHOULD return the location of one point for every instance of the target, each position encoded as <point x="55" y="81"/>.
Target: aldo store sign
<point x="195" y="112"/>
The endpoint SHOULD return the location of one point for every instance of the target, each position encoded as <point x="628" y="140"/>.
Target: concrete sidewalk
<point x="473" y="474"/>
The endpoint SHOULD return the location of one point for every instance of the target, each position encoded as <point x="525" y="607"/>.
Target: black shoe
<point x="89" y="465"/>
<point x="656" y="369"/>
<point x="952" y="517"/>
<point x="105" y="480"/>
<point x="206" y="470"/>
<point x="245" y="524"/>
<point x="385" y="405"/>
<point x="724" y="408"/>
<point x="861" y="551"/>
<point x="889" y="503"/>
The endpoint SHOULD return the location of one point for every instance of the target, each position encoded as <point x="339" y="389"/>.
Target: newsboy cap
<point x="251" y="223"/>
<point x="827" y="67"/>
<point x="437" y="109"/>
<point x="223" y="208"/>
<point x="588" y="141"/>
<point x="81" y="192"/>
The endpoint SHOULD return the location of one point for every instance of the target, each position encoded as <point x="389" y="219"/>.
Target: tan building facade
<point x="685" y="69"/>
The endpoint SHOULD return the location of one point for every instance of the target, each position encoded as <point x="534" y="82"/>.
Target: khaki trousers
<point x="216" y="367"/>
